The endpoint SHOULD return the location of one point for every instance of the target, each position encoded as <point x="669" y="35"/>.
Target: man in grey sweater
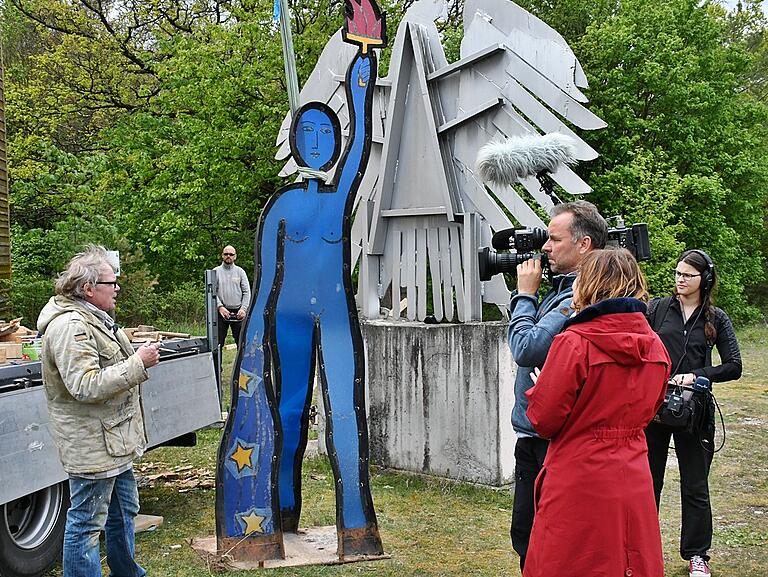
<point x="233" y="295"/>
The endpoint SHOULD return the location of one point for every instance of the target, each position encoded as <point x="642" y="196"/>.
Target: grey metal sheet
<point x="179" y="396"/>
<point x="530" y="37"/>
<point x="29" y="459"/>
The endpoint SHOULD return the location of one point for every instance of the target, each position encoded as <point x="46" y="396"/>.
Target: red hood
<point x="626" y="338"/>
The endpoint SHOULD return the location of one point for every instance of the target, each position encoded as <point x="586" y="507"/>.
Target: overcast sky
<point x="732" y="4"/>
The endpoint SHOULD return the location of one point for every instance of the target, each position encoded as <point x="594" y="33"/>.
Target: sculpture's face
<point x="315" y="138"/>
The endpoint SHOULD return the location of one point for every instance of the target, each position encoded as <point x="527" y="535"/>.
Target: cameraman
<point x="575" y="230"/>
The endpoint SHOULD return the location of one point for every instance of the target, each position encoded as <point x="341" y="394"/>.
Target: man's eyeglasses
<point x="114" y="283"/>
<point x="685" y="276"/>
<point x="228" y="254"/>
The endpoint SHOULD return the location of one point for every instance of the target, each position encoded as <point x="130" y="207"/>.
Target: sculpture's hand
<point x="364" y="72"/>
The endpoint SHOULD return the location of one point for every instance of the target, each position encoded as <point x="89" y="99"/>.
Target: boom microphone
<point x="511" y="160"/>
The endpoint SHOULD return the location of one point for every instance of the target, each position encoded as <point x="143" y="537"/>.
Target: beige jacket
<point x="91" y="378"/>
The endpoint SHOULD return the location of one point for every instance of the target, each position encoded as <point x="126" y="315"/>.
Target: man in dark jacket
<point x="575" y="230"/>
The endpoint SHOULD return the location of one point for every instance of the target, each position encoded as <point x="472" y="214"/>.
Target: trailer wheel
<point x="32" y="531"/>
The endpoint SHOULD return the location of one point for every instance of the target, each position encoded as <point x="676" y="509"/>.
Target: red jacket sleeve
<point x="551" y="400"/>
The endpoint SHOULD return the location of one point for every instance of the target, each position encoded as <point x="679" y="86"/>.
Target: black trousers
<point x="224" y="326"/>
<point x="529" y="459"/>
<point x="694" y="457"/>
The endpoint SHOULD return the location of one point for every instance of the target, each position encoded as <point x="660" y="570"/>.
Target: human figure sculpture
<point x="304" y="313"/>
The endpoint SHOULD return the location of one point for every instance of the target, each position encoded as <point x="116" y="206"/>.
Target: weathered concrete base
<point x="440" y="398"/>
<point x="310" y="546"/>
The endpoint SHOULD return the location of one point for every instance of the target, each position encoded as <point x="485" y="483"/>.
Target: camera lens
<point x="492" y="263"/>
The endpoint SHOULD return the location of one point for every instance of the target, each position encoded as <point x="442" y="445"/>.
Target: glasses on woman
<point x="685" y="276"/>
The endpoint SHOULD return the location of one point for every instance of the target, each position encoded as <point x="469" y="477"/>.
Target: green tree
<point x="671" y="85"/>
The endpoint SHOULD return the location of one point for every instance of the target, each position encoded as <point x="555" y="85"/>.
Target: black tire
<point x="32" y="531"/>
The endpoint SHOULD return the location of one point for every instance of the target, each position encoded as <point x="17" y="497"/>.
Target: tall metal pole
<point x="5" y="220"/>
<point x="289" y="58"/>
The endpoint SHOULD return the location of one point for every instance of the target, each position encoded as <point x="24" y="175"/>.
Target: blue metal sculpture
<point x="304" y="312"/>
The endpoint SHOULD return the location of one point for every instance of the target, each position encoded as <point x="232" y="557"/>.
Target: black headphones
<point x="707" y="275"/>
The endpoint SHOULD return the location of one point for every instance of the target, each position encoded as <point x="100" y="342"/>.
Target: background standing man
<point x="233" y="295"/>
<point x="575" y="230"/>
<point x="91" y="375"/>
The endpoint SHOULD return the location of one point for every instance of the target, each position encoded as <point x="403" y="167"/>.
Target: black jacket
<point x="679" y="338"/>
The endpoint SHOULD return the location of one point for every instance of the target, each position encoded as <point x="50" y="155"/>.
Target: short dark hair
<point x="586" y="221"/>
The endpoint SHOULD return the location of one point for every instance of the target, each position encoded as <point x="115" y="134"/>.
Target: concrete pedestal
<point x="439" y="399"/>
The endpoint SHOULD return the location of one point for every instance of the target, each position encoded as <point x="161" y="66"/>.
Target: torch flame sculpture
<point x="364" y="25"/>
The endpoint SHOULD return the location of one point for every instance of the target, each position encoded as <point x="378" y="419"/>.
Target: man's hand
<point x="529" y="276"/>
<point x="241" y="314"/>
<point x="224" y="312"/>
<point x="149" y="354"/>
<point x="364" y="73"/>
<point x="684" y="379"/>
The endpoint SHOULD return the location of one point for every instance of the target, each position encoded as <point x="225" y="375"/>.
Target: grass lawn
<point x="434" y="527"/>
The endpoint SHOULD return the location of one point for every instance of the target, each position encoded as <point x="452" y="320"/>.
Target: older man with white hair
<point x="91" y="376"/>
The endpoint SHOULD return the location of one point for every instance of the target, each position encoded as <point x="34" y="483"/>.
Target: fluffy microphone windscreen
<point x="508" y="161"/>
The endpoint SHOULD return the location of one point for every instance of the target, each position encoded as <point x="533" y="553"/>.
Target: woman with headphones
<point x="690" y="325"/>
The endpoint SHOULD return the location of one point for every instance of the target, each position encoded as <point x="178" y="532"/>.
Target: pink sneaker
<point x="698" y="567"/>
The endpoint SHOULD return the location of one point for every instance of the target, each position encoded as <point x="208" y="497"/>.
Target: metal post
<point x="212" y="328"/>
<point x="289" y="58"/>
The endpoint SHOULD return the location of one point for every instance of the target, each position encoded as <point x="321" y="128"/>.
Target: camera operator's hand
<point x="241" y="314"/>
<point x="224" y="312"/>
<point x="529" y="276"/>
<point x="149" y="354"/>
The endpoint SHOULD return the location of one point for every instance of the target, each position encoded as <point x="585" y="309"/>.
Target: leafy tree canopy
<point x="159" y="118"/>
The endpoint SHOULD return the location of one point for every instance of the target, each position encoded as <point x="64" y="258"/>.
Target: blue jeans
<point x="96" y="504"/>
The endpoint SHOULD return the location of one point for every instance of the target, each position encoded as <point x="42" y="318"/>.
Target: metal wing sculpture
<point x="421" y="217"/>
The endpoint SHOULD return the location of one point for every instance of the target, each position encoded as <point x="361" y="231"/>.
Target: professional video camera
<point x="538" y="156"/>
<point x="525" y="241"/>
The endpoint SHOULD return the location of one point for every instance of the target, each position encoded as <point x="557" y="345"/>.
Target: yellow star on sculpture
<point x="243" y="382"/>
<point x="253" y="523"/>
<point x="242" y="456"/>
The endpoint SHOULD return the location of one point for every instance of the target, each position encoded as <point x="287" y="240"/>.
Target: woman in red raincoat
<point x="604" y="378"/>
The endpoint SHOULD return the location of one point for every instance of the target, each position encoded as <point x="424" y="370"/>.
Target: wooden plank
<point x="421" y="272"/>
<point x="471" y="243"/>
<point x="433" y="245"/>
<point x="456" y="272"/>
<point x="409" y="274"/>
<point x="466" y="62"/>
<point x="445" y="271"/>
<point x="396" y="260"/>
<point x="422" y="211"/>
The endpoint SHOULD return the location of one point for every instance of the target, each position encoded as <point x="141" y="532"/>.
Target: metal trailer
<point x="181" y="396"/>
